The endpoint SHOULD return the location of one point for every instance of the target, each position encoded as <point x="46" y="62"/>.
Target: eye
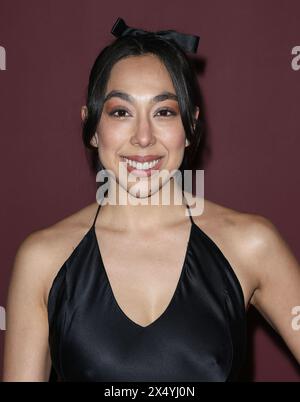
<point x="165" y="111"/>
<point x="121" y="111"/>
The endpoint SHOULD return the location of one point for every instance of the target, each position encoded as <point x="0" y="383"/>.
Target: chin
<point x="142" y="192"/>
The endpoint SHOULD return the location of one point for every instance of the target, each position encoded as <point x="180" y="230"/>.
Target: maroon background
<point x="252" y="101"/>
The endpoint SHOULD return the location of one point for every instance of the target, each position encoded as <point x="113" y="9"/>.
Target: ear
<point x="94" y="140"/>
<point x="84" y="113"/>
<point x="196" y="115"/>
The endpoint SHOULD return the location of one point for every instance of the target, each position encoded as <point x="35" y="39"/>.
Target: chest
<point x="143" y="271"/>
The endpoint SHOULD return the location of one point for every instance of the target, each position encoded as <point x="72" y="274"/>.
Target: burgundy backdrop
<point x="252" y="98"/>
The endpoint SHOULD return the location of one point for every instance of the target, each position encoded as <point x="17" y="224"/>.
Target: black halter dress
<point x="200" y="336"/>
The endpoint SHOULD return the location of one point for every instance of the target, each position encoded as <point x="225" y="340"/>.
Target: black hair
<point x="182" y="73"/>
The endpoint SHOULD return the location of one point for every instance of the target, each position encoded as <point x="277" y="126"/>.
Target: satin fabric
<point x="188" y="43"/>
<point x="201" y="335"/>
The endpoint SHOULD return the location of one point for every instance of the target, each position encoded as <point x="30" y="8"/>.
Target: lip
<point x="147" y="172"/>
<point x="139" y="158"/>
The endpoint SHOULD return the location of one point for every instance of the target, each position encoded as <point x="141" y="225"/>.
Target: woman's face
<point x="140" y="123"/>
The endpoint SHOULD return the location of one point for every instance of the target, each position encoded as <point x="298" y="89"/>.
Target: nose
<point x="144" y="133"/>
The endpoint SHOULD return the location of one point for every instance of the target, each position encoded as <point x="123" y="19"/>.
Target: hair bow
<point x="189" y="43"/>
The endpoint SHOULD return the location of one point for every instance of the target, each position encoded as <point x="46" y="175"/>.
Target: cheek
<point x="175" y="141"/>
<point x="173" y="135"/>
<point x="110" y="137"/>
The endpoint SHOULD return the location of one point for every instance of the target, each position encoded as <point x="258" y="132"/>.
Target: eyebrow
<point x="125" y="96"/>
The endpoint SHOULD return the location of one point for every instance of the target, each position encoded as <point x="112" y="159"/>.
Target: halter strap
<point x="98" y="209"/>
<point x="188" y="207"/>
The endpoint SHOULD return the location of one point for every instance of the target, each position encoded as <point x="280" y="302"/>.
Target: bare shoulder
<point x="42" y="253"/>
<point x="244" y="238"/>
<point x="251" y="227"/>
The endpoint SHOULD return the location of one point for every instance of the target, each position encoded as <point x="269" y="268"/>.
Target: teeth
<point x="141" y="166"/>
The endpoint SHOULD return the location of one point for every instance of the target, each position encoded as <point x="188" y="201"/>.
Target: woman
<point x="133" y="292"/>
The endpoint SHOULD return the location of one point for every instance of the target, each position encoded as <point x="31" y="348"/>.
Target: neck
<point x="162" y="209"/>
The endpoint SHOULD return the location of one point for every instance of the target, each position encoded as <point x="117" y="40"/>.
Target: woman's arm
<point x="278" y="273"/>
<point x="26" y="352"/>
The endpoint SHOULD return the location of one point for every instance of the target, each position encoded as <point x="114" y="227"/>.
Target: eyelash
<point x="112" y="113"/>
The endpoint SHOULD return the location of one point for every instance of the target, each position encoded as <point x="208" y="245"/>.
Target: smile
<point x="141" y="166"/>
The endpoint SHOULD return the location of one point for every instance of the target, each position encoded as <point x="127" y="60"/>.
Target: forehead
<point x="145" y="72"/>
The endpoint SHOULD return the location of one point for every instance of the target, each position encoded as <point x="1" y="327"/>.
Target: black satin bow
<point x="189" y="43"/>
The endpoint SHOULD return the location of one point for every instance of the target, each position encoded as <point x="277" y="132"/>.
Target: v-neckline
<point x="172" y="300"/>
